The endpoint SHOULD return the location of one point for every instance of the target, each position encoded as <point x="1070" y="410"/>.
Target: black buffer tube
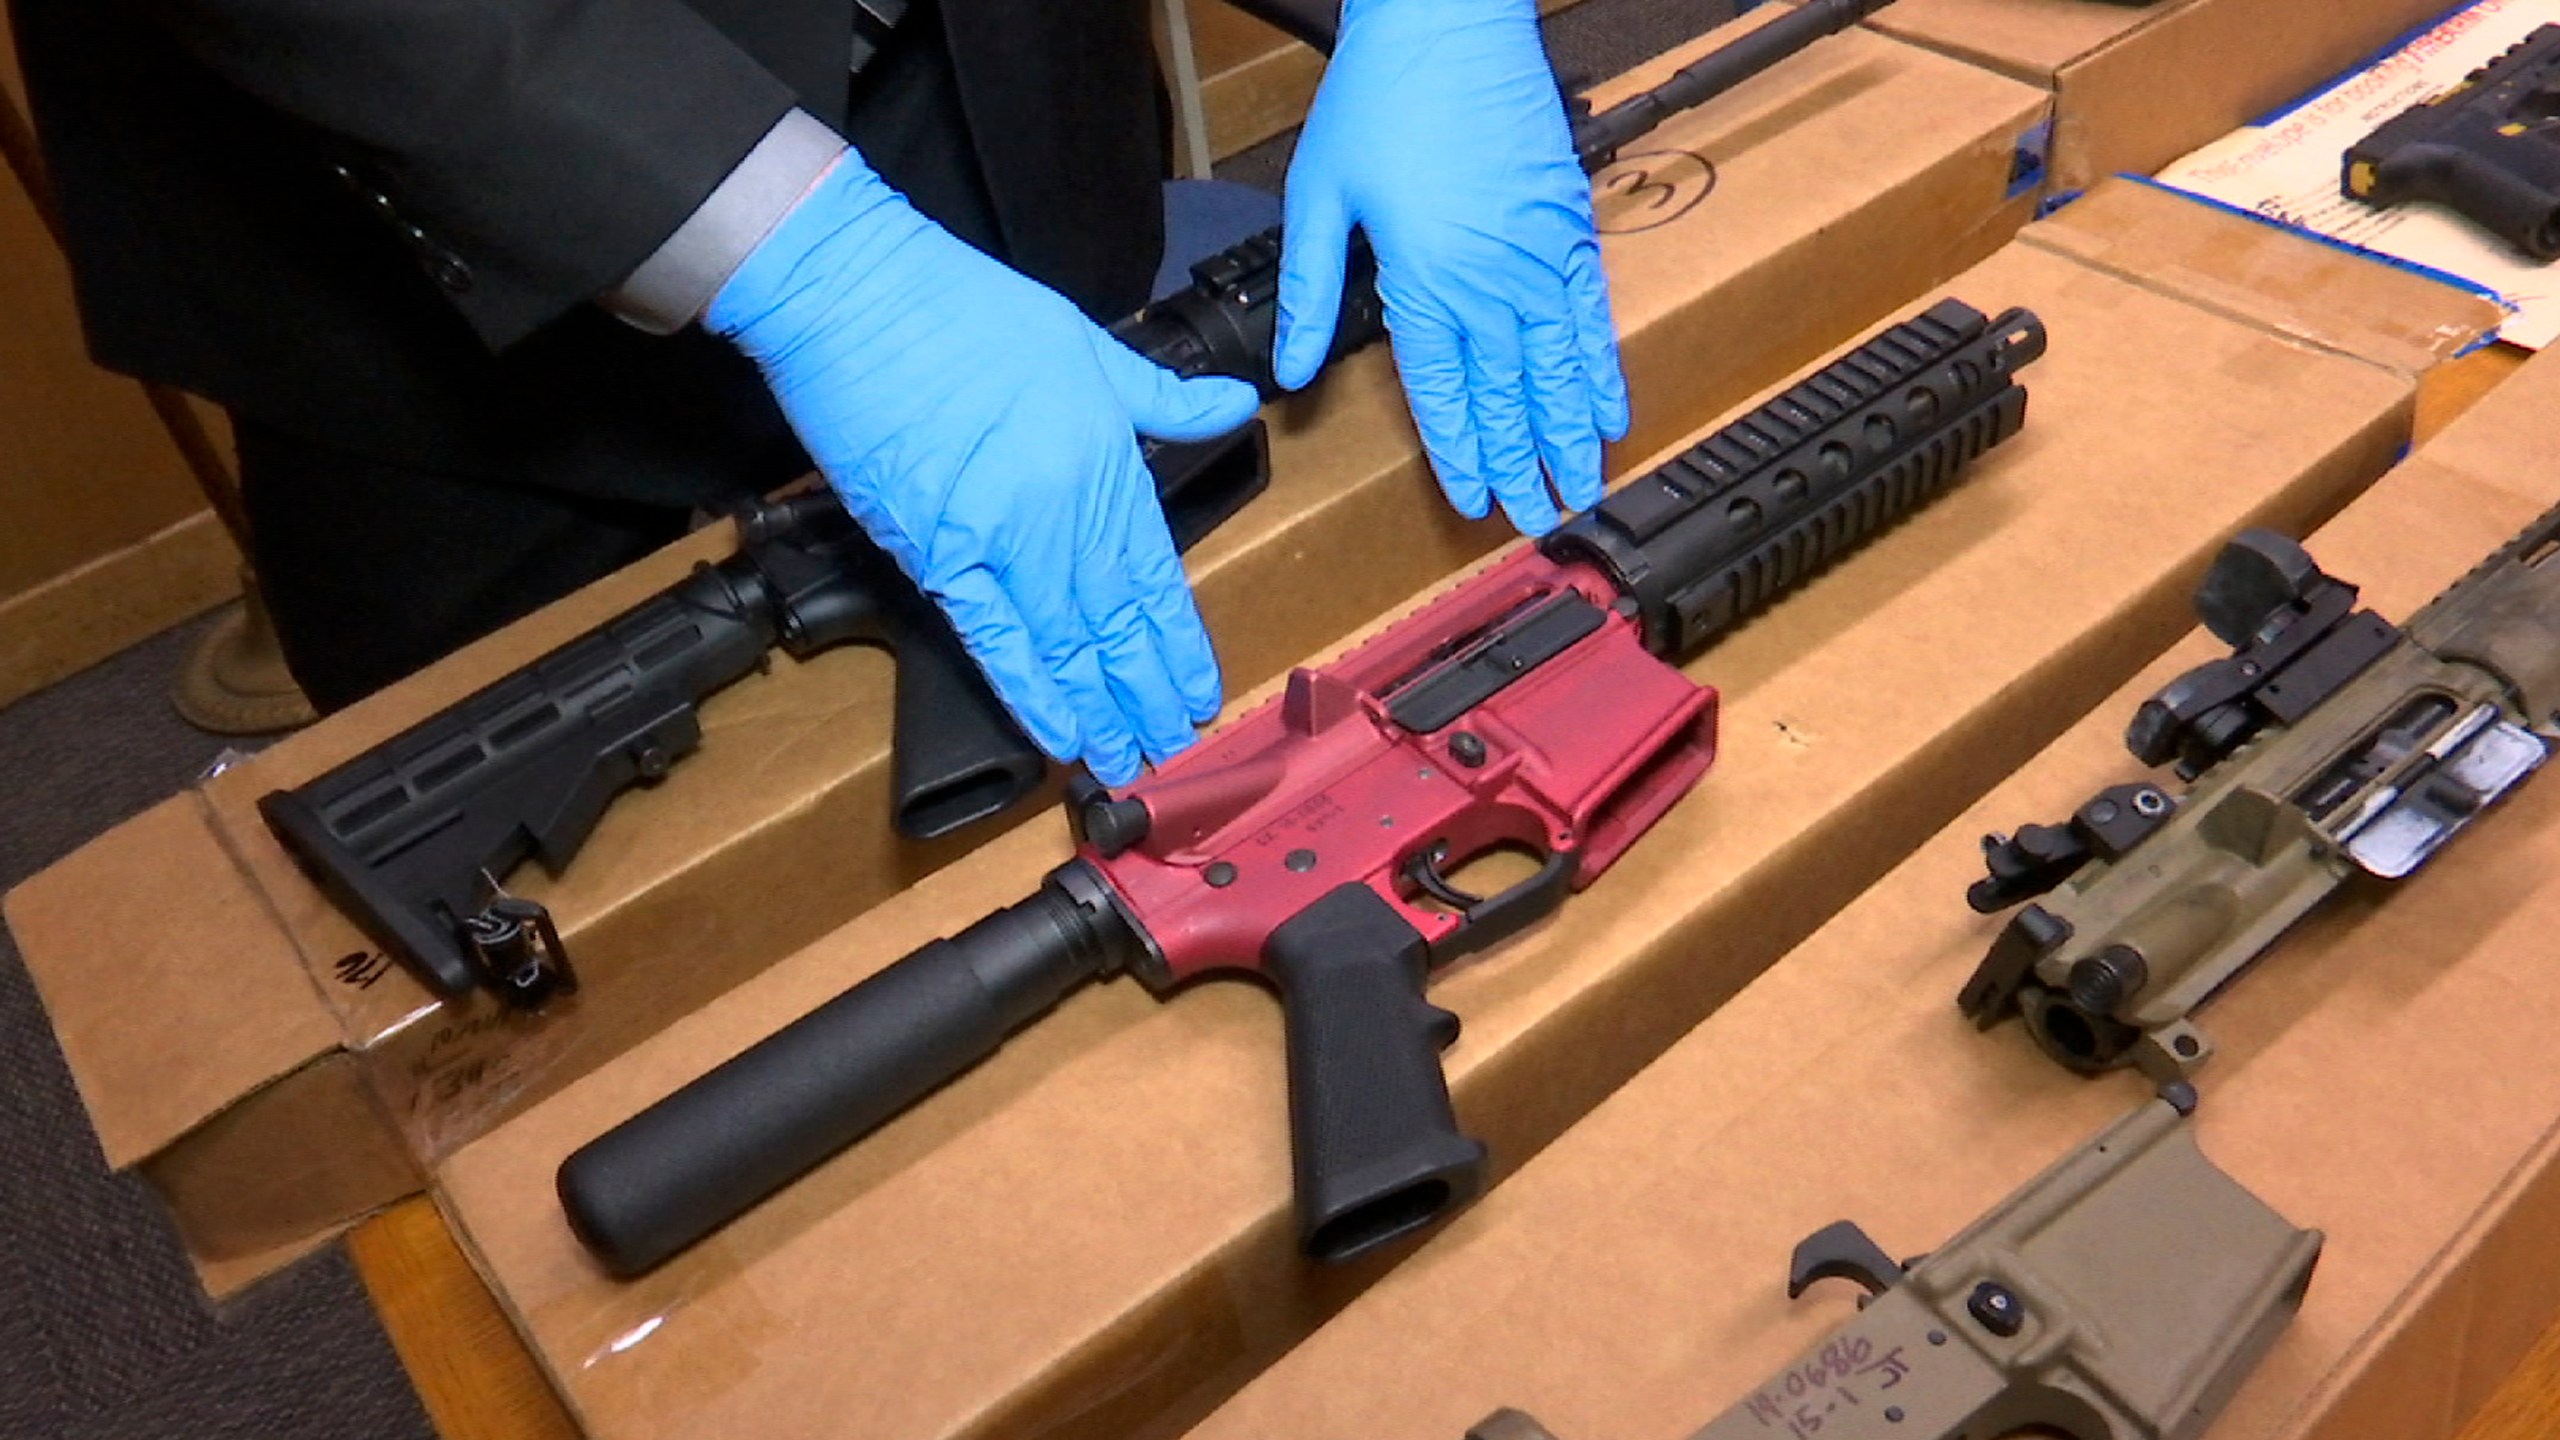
<point x="689" y="1164"/>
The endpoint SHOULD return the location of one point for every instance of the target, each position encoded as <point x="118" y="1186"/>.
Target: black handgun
<point x="2488" y="149"/>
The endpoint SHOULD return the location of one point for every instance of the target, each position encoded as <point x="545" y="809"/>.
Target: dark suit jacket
<point x="379" y="222"/>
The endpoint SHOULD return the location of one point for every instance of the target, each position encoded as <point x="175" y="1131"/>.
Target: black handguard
<point x="1708" y="540"/>
<point x="709" y="1152"/>
<point x="2489" y="149"/>
<point x="1374" y="1140"/>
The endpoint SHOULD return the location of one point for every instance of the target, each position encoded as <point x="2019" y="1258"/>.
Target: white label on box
<point x="2287" y="169"/>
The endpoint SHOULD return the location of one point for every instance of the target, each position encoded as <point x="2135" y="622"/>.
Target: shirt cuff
<point x="674" y="284"/>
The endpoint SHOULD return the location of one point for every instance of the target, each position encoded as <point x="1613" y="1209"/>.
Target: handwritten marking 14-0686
<point x="1799" y="1401"/>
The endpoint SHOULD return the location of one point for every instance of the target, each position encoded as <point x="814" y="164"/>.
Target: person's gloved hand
<point x="979" y="428"/>
<point x="1438" y="131"/>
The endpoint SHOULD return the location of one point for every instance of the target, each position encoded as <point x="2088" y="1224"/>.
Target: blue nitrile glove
<point x="981" y="430"/>
<point x="1438" y="131"/>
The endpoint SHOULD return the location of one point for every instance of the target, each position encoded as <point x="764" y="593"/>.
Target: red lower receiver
<point x="1544" y="728"/>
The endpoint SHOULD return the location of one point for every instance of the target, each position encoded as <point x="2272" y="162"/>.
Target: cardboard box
<point x="1870" y="170"/>
<point x="1256" y="82"/>
<point x="2228" y="264"/>
<point x="2137" y="86"/>
<point x="2384" y="1075"/>
<point x="1091" y="1234"/>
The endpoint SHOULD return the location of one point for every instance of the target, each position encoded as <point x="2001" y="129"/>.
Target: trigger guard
<point x="1497" y="918"/>
<point x="1424" y="871"/>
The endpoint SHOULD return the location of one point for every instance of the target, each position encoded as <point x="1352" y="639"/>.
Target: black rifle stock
<point x="411" y="838"/>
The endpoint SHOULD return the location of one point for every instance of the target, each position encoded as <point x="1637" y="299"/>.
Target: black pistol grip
<point x="2499" y="200"/>
<point x="709" y="1152"/>
<point x="955" y="754"/>
<point x="1375" y="1141"/>
<point x="1202" y="483"/>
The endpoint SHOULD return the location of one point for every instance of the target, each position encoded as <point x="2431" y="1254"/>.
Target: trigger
<point x="1842" y="1251"/>
<point x="1424" y="871"/>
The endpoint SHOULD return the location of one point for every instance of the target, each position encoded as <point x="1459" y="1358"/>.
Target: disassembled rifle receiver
<point x="2488" y="149"/>
<point x="2329" y="743"/>
<point x="1535" y="707"/>
<point x="2123" y="1294"/>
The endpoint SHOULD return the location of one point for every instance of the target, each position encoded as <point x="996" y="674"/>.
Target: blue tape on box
<point x="2028" y="161"/>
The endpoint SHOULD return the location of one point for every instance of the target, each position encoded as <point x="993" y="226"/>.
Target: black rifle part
<point x="2040" y="857"/>
<point x="2489" y="149"/>
<point x="1597" y="139"/>
<point x="680" y="1169"/>
<point x="1706" y="541"/>
<point x="1375" y="1146"/>
<point x="2296" y="636"/>
<point x="413" y="838"/>
<point x="1700" y="544"/>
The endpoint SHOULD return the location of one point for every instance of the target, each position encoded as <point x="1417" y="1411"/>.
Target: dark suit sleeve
<point x="534" y="152"/>
<point x="1311" y="21"/>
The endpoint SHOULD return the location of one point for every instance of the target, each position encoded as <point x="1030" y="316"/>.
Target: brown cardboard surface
<point x="2139" y="85"/>
<point x="256" y="1024"/>
<point x="1090" y="1235"/>
<point x="2384" y="1075"/>
<point x="2267" y="274"/>
<point x="1871" y="170"/>
<point x="1255" y="81"/>
<point x="242" y="1185"/>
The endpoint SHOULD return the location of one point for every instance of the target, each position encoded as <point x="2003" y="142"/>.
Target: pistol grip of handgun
<point x="1376" y="1145"/>
<point x="2498" y="200"/>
